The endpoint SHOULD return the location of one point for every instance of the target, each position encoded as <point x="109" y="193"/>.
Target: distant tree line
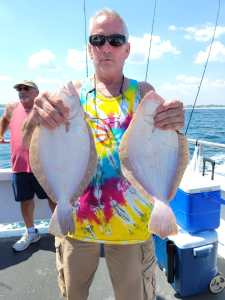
<point x="204" y="105"/>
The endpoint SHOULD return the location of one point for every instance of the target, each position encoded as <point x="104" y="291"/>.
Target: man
<point x="24" y="183"/>
<point x="110" y="212"/>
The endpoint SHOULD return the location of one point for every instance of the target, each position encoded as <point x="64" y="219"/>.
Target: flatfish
<point x="64" y="160"/>
<point x="153" y="161"/>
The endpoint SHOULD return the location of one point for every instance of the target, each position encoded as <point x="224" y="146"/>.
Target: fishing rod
<point x="206" y="64"/>
<point x="85" y="35"/>
<point x="150" y="42"/>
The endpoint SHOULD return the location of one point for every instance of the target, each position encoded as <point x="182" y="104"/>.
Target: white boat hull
<point x="10" y="209"/>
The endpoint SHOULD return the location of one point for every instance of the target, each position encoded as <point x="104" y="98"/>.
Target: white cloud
<point x="49" y="84"/>
<point x="202" y="33"/>
<point x="5" y="78"/>
<point x="189" y="80"/>
<point x="140" y="48"/>
<point x="43" y="58"/>
<point x="45" y="80"/>
<point x="217" y="54"/>
<point x="185" y="88"/>
<point x="76" y="59"/>
<point x="172" y="28"/>
<point x="220" y="83"/>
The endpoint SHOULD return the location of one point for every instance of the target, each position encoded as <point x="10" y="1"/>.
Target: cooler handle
<point x="222" y="201"/>
<point x="203" y="250"/>
<point x="170" y="247"/>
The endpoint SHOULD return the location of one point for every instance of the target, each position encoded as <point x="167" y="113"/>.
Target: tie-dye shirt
<point x="110" y="210"/>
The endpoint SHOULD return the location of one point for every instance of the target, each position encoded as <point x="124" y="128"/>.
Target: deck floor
<point x="31" y="275"/>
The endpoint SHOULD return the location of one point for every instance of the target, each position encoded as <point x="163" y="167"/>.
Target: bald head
<point x="104" y="14"/>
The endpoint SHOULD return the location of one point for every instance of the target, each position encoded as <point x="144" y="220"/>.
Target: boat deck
<point x="31" y="275"/>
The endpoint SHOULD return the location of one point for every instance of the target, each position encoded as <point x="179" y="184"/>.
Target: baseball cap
<point x="26" y="83"/>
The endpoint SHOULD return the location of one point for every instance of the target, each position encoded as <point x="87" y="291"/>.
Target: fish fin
<point x="65" y="218"/>
<point x="54" y="227"/>
<point x="162" y="221"/>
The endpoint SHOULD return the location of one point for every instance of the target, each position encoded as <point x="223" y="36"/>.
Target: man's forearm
<point x="3" y="127"/>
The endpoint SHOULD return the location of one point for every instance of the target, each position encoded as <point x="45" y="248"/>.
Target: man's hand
<point x="4" y="124"/>
<point x="3" y="141"/>
<point x="170" y="115"/>
<point x="50" y="110"/>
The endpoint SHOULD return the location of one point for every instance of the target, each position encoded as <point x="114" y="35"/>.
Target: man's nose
<point x="106" y="47"/>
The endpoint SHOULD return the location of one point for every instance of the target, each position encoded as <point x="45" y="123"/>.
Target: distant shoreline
<point x="205" y="107"/>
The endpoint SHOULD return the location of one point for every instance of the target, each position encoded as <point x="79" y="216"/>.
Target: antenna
<point x="85" y="35"/>
<point x="206" y="64"/>
<point x="150" y="42"/>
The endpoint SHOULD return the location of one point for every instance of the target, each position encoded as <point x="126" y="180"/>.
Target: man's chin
<point x="107" y="66"/>
<point x="26" y="102"/>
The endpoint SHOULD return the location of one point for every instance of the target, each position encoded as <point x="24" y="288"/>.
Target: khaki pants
<point x="131" y="268"/>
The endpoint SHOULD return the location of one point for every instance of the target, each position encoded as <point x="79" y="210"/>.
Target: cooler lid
<point x="196" y="183"/>
<point x="184" y="240"/>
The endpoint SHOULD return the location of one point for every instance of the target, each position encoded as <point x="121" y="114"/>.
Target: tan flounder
<point x="154" y="161"/>
<point x="64" y="160"/>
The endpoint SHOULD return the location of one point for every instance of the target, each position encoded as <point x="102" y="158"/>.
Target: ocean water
<point x="206" y="124"/>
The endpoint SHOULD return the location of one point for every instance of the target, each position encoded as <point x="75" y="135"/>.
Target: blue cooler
<point x="189" y="261"/>
<point x="197" y="204"/>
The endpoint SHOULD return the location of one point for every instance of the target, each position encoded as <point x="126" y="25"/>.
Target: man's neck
<point x="27" y="106"/>
<point x="110" y="86"/>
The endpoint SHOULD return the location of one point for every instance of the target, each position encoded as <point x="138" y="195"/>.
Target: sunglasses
<point x="23" y="88"/>
<point x="115" y="40"/>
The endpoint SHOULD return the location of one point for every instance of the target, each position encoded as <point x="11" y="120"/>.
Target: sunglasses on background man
<point x="23" y="88"/>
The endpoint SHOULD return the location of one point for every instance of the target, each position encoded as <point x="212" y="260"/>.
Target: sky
<point x="44" y="41"/>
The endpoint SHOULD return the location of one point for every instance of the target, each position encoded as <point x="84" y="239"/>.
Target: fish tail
<point x="65" y="218"/>
<point x="162" y="221"/>
<point x="62" y="221"/>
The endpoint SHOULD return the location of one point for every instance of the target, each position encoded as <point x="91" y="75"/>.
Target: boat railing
<point x="205" y="143"/>
<point x="208" y="160"/>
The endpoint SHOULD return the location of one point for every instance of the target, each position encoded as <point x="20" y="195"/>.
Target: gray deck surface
<point x="31" y="275"/>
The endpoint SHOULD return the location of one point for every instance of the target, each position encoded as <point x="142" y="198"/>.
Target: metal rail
<point x="205" y="143"/>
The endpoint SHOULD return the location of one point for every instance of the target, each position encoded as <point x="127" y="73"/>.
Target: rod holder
<point x="212" y="162"/>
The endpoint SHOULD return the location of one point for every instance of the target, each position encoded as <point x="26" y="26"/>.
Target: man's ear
<point x="127" y="49"/>
<point x="90" y="51"/>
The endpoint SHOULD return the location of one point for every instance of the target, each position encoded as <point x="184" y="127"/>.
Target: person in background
<point x="110" y="212"/>
<point x="24" y="184"/>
